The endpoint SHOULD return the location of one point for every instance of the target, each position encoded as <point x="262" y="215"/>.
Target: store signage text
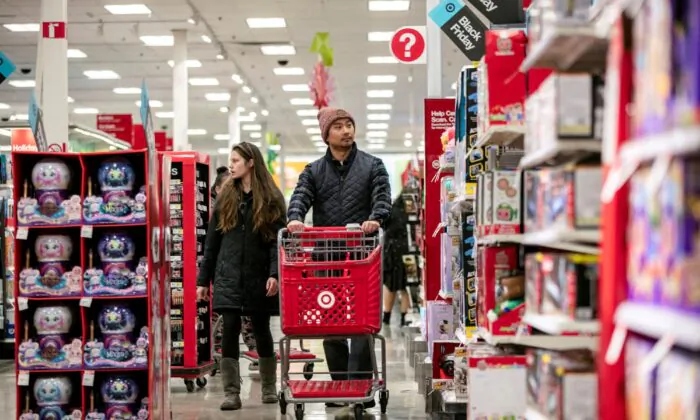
<point x="462" y="26"/>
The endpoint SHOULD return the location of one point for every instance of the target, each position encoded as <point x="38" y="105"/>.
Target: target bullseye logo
<point x="326" y="300"/>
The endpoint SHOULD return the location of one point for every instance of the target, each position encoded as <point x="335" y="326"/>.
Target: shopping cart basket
<point x="331" y="285"/>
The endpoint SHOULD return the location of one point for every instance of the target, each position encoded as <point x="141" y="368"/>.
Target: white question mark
<point x="410" y="40"/>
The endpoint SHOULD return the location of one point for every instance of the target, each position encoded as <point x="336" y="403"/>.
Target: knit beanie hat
<point x="326" y="118"/>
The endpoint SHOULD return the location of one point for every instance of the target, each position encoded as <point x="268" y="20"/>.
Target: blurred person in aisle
<point x="395" y="247"/>
<point x="346" y="186"/>
<point x="223" y="175"/>
<point x="249" y="212"/>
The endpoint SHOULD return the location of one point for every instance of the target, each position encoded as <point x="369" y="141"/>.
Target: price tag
<point x="22" y="233"/>
<point x="86" y="231"/>
<point x="86" y="302"/>
<point x="89" y="378"/>
<point x="438" y="385"/>
<point x="23" y="379"/>
<point x="22" y="303"/>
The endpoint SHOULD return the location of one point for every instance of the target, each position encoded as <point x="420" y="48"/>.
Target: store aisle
<point x="404" y="402"/>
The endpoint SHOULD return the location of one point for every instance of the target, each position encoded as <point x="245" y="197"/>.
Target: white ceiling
<point x="114" y="45"/>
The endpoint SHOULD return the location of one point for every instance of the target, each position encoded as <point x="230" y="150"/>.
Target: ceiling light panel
<point x="128" y="9"/>
<point x="158" y="40"/>
<point x="127" y="91"/>
<point x="237" y="78"/>
<point x="389" y="5"/>
<point x="377" y="126"/>
<point x="288" y="71"/>
<point x="190" y="63"/>
<point x="376" y="134"/>
<point x="247" y="89"/>
<point x="254" y="100"/>
<point x="278" y="50"/>
<point x="22" y="83"/>
<point x="378" y="117"/>
<point x="165" y="114"/>
<point x="255" y="135"/>
<point x="251" y="127"/>
<point x="204" y="81"/>
<point x="196" y="132"/>
<point x="408" y="143"/>
<point x="266" y="23"/>
<point x="376" y="140"/>
<point x="74" y="53"/>
<point x="301" y="101"/>
<point x="307" y="112"/>
<point x="380" y="93"/>
<point x="388" y="78"/>
<point x="309" y="122"/>
<point x="221" y="137"/>
<point x="206" y="39"/>
<point x="22" y="27"/>
<point x="152" y="103"/>
<point x="379" y="36"/>
<point x="101" y="74"/>
<point x="313" y="130"/>
<point x="316" y="138"/>
<point x="218" y="97"/>
<point x="4" y="106"/>
<point x="223" y="151"/>
<point x="86" y="111"/>
<point x="382" y="60"/>
<point x="379" y="107"/>
<point x="300" y="87"/>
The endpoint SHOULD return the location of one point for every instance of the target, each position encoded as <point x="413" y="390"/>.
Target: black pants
<point x="340" y="358"/>
<point x="232" y="329"/>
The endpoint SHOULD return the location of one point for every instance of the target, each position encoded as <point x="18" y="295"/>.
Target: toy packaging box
<point x="493" y="263"/>
<point x="531" y="217"/>
<point x="569" y="285"/>
<point x="505" y="85"/>
<point x="461" y="369"/>
<point x="533" y="282"/>
<point x="686" y="62"/>
<point x="505" y="203"/>
<point x="678" y="386"/>
<point x="497" y="387"/>
<point x="487" y="204"/>
<point x="639" y="386"/>
<point x="440" y="322"/>
<point x="570" y="198"/>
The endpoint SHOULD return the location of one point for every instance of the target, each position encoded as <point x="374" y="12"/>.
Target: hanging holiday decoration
<point x="321" y="85"/>
<point x="273" y="147"/>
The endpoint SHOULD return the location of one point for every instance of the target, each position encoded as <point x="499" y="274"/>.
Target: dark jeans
<point x="232" y="329"/>
<point x="340" y="358"/>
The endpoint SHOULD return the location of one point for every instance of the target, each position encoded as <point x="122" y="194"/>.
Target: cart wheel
<point x="201" y="382"/>
<point x="308" y="371"/>
<point x="383" y="400"/>
<point x="189" y="383"/>
<point x="359" y="411"/>
<point x="299" y="411"/>
<point x="283" y="403"/>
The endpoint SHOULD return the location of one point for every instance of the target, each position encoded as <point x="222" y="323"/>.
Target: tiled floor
<point x="404" y="402"/>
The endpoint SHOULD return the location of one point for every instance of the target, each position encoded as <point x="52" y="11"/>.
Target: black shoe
<point x="369" y="404"/>
<point x="335" y="405"/>
<point x="387" y="318"/>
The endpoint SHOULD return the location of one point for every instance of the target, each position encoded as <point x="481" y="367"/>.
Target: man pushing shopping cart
<point x="345" y="187"/>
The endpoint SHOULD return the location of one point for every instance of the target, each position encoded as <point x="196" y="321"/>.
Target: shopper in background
<point x="395" y="247"/>
<point x="223" y="175"/>
<point x="249" y="212"/>
<point x="346" y="186"/>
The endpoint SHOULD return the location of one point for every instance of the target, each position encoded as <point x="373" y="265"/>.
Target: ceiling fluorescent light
<point x="23" y="83"/>
<point x="265" y="112"/>
<point x="379" y="107"/>
<point x="382" y="60"/>
<point x="408" y="143"/>
<point x="389" y="78"/>
<point x="73" y="53"/>
<point x="127" y="91"/>
<point x="301" y="101"/>
<point x="246" y="118"/>
<point x="376" y="146"/>
<point x="206" y="39"/>
<point x="152" y="103"/>
<point x="237" y="78"/>
<point x="165" y="114"/>
<point x="101" y="74"/>
<point x="22" y="27"/>
<point x="255" y="135"/>
<point x="240" y="109"/>
<point x="316" y="138"/>
<point x="190" y="63"/>
<point x="196" y="132"/>
<point x="86" y="111"/>
<point x="4" y="106"/>
<point x="376" y="140"/>
<point x="251" y="127"/>
<point x="376" y="134"/>
<point x="309" y="122"/>
<point x="221" y="137"/>
<point x="128" y="9"/>
<point x="377" y="126"/>
<point x="218" y="97"/>
<point x="288" y="71"/>
<point x="266" y="23"/>
<point x="247" y="89"/>
<point x="223" y="151"/>
<point x="6" y="133"/>
<point x="278" y="50"/>
<point x="378" y="117"/>
<point x="224" y="109"/>
<point x="254" y="100"/>
<point x="380" y="93"/>
<point x="307" y="112"/>
<point x="300" y="87"/>
<point x="220" y="56"/>
<point x="70" y="100"/>
<point x="379" y="36"/>
<point x="389" y="5"/>
<point x="408" y="136"/>
<point x="19" y="117"/>
<point x="313" y="130"/>
<point x="158" y="40"/>
<point x="204" y="81"/>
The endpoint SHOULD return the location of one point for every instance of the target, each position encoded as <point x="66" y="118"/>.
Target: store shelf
<point x="559" y="324"/>
<point x="449" y="403"/>
<point x="568" y="48"/>
<point x="502" y="135"/>
<point x="533" y="413"/>
<point x="500" y="239"/>
<point x="657" y="322"/>
<point x="562" y="151"/>
<point x="566" y="240"/>
<point x="551" y="342"/>
<point x="680" y="141"/>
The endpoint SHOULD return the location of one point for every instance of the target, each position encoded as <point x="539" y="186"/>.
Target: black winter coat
<point x="342" y="193"/>
<point x="240" y="262"/>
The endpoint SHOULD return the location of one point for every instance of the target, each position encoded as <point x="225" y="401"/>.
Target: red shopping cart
<point x="331" y="285"/>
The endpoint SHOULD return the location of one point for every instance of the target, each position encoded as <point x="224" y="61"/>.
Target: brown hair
<point x="268" y="203"/>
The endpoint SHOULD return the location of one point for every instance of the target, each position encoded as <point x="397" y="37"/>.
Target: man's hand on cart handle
<point x="202" y="293"/>
<point x="295" y="226"/>
<point x="370" y="226"/>
<point x="271" y="286"/>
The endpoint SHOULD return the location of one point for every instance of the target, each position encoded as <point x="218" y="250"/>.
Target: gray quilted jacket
<point x="342" y="193"/>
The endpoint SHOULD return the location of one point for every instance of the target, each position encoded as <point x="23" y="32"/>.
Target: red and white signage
<point x="53" y="30"/>
<point x="408" y="45"/>
<point x="117" y="125"/>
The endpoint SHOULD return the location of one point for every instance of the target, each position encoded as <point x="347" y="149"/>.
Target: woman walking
<point x="240" y="256"/>
<point x="223" y="175"/>
<point x="395" y="247"/>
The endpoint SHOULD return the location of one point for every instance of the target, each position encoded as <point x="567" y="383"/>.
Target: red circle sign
<point x="408" y="45"/>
